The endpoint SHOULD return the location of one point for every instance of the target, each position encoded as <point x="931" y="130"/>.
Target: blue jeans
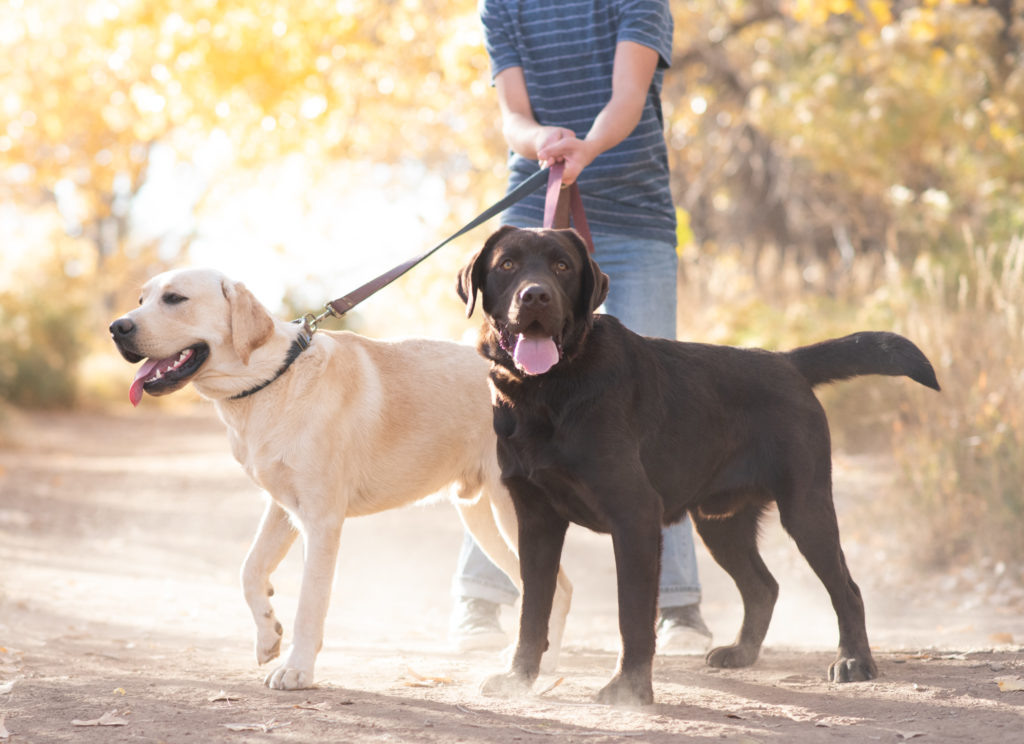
<point x="642" y="294"/>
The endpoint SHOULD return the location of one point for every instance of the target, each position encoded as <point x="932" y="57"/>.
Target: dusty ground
<point x="120" y="538"/>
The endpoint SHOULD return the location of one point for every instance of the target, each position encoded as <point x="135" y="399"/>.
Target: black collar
<point x="299" y="345"/>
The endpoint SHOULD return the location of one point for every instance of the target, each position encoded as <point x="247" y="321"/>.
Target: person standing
<point x="579" y="81"/>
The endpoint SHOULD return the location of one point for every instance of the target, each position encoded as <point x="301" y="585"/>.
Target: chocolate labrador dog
<point x="622" y="434"/>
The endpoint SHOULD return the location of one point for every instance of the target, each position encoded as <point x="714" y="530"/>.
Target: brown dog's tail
<point x="866" y="353"/>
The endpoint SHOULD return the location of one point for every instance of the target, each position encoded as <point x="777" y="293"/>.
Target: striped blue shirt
<point x="567" y="49"/>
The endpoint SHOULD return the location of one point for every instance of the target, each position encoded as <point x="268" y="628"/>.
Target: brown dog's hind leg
<point x="813" y="526"/>
<point x="733" y="544"/>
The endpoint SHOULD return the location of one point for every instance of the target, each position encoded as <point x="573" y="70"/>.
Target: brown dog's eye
<point x="172" y="298"/>
<point x="506" y="265"/>
<point x="561" y="266"/>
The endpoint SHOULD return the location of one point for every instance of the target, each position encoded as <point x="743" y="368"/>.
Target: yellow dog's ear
<point x="251" y="324"/>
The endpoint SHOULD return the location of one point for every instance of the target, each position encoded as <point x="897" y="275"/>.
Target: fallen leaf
<point x="552" y="686"/>
<point x="419" y="680"/>
<point x="1010" y="684"/>
<point x="4" y="733"/>
<point x="110" y="718"/>
<point x="595" y="732"/>
<point x="909" y="734"/>
<point x="120" y="691"/>
<point x="265" y="728"/>
<point x="310" y="705"/>
<point x="6" y="687"/>
<point x="1002" y="638"/>
<point x="223" y="697"/>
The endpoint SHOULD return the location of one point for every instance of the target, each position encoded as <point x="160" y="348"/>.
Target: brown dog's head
<point x="187" y="322"/>
<point x="539" y="290"/>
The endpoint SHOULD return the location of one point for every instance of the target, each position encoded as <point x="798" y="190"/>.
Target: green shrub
<point x="42" y="339"/>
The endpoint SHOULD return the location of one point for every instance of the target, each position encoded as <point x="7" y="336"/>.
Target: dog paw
<point x="289" y="678"/>
<point x="268" y="643"/>
<point x="852" y="669"/>
<point x="731" y="657"/>
<point x="506" y="685"/>
<point x="627" y="690"/>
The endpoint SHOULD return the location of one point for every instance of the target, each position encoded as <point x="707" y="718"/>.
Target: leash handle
<point x="561" y="207"/>
<point x="342" y="305"/>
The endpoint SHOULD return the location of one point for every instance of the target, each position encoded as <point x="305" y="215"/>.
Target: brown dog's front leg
<point x="637" y="558"/>
<point x="541" y="536"/>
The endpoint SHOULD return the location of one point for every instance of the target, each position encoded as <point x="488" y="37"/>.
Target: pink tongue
<point x="535" y="356"/>
<point x="135" y="392"/>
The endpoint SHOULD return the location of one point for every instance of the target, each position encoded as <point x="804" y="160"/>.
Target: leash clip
<point x="311" y="323"/>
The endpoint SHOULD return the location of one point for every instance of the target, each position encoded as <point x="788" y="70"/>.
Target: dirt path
<point x="120" y="540"/>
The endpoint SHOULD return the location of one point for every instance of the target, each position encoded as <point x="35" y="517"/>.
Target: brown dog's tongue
<point x="135" y="391"/>
<point x="535" y="356"/>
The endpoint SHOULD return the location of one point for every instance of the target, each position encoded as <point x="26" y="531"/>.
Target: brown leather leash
<point x="562" y="206"/>
<point x="340" y="306"/>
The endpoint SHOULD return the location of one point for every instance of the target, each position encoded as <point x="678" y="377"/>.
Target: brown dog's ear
<point x="251" y="324"/>
<point x="471" y="279"/>
<point x="594" y="282"/>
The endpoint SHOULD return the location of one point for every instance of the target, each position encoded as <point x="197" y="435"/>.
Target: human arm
<point x="522" y="132"/>
<point x="632" y="73"/>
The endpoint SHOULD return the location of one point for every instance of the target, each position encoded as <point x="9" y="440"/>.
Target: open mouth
<point x="533" y="350"/>
<point x="163" y="376"/>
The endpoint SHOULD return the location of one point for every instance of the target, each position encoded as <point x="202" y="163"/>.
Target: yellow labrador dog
<point x="330" y="425"/>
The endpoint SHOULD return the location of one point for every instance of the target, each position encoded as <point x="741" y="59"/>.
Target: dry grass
<point x="964" y="461"/>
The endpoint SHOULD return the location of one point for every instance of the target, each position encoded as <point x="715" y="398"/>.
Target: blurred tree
<point x="849" y="125"/>
<point x="92" y="87"/>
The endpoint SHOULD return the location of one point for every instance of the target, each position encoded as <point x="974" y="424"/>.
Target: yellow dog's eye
<point x="172" y="298"/>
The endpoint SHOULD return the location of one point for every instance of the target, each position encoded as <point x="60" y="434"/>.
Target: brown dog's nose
<point x="122" y="327"/>
<point x="534" y="296"/>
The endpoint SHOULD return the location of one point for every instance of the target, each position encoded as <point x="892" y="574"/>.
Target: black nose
<point x="122" y="328"/>
<point x="534" y="296"/>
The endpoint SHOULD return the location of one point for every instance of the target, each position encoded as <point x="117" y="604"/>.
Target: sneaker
<point x="475" y="625"/>
<point x="681" y="630"/>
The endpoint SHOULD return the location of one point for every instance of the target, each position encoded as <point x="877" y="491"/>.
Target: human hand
<point x="577" y="154"/>
<point x="546" y="136"/>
